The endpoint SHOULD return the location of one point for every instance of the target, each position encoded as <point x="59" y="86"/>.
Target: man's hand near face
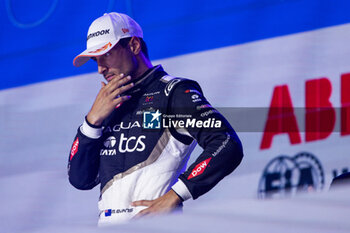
<point x="107" y="99"/>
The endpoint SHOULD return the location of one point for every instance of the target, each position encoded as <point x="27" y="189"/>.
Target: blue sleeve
<point x="222" y="148"/>
<point x="83" y="162"/>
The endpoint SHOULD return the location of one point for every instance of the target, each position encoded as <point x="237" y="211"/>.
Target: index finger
<point x="117" y="78"/>
<point x="142" y="213"/>
<point x="117" y="82"/>
<point x="141" y="203"/>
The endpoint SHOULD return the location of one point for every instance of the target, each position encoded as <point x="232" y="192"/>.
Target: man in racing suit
<point x="137" y="138"/>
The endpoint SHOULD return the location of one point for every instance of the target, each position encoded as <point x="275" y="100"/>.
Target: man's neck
<point x="144" y="65"/>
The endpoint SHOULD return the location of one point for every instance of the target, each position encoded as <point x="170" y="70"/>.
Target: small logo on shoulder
<point x="151" y="120"/>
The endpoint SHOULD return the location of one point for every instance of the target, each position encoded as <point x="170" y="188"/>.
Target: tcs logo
<point x="131" y="144"/>
<point x="125" y="144"/>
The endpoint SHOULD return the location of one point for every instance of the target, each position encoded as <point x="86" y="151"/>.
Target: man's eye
<point x="107" y="54"/>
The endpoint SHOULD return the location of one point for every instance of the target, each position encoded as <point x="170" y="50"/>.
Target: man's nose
<point x="101" y="69"/>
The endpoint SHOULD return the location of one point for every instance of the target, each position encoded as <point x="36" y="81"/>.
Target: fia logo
<point x="285" y="176"/>
<point x="151" y="120"/>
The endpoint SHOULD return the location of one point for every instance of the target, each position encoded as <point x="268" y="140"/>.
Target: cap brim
<point x="95" y="51"/>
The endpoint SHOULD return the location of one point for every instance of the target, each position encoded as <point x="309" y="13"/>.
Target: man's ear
<point x="135" y="45"/>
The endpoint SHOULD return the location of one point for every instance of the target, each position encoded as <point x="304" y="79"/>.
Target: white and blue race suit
<point x="141" y="150"/>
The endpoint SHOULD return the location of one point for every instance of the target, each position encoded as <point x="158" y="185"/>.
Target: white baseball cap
<point x="105" y="32"/>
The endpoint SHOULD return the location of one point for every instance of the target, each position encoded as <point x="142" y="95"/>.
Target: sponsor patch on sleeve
<point x="192" y="91"/>
<point x="74" y="149"/>
<point x="199" y="169"/>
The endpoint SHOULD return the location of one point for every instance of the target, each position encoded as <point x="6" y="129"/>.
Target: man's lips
<point x="109" y="77"/>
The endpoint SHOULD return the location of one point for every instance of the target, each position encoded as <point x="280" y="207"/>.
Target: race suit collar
<point x="156" y="72"/>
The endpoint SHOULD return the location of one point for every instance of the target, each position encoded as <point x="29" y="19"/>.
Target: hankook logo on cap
<point x="98" y="33"/>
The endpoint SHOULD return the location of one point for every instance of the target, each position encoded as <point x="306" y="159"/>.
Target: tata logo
<point x="285" y="176"/>
<point x="110" y="142"/>
<point x="151" y="120"/>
